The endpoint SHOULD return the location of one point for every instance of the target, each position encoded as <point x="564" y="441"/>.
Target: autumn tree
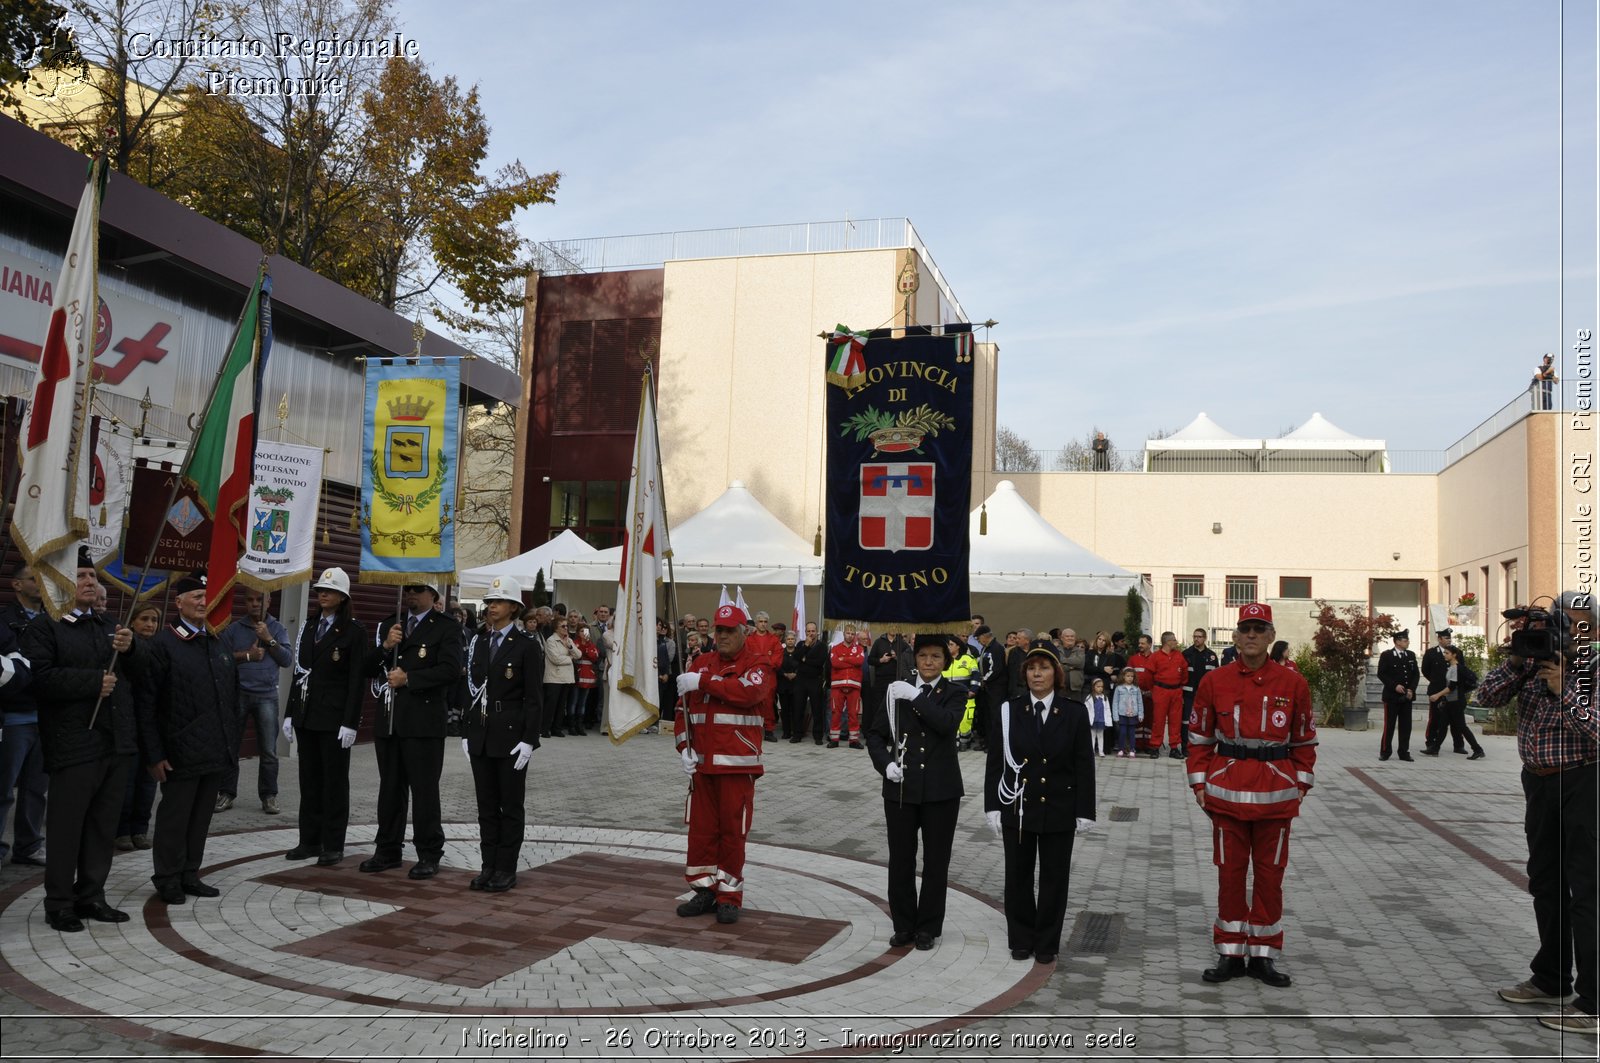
<point x="1012" y="453"/>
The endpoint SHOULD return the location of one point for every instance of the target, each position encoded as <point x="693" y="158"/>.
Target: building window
<point x="1294" y="586"/>
<point x="1449" y="595"/>
<point x="590" y="508"/>
<point x="1241" y="590"/>
<point x="1184" y="587"/>
<point x="1511" y="593"/>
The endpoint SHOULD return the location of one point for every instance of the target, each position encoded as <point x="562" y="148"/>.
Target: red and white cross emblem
<point x="897" y="506"/>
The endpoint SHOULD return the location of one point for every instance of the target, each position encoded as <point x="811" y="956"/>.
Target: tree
<point x="1012" y="453"/>
<point x="1133" y="618"/>
<point x="1343" y="643"/>
<point x="33" y="36"/>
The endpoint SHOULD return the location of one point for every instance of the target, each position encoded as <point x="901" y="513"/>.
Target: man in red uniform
<point x="845" y="661"/>
<point x="768" y="647"/>
<point x="718" y="735"/>
<point x="1143" y="665"/>
<point x="1169" y="670"/>
<point x="1252" y="748"/>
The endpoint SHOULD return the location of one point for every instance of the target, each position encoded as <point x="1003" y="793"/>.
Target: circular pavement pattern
<point x="585" y="957"/>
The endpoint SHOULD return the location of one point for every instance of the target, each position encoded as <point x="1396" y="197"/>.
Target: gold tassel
<point x="104" y="517"/>
<point x="326" y="538"/>
<point x="355" y="518"/>
<point x="983" y="519"/>
<point x="816" y="543"/>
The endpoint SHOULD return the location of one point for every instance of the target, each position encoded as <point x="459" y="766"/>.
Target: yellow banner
<point x="410" y="477"/>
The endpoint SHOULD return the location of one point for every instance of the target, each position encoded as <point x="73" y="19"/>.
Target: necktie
<point x="322" y="628"/>
<point x="411" y="624"/>
<point x="494" y="643"/>
<point x="1039" y="710"/>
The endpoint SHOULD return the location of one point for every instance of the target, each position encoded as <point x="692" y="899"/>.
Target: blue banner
<point x="408" y="482"/>
<point x="899" y="475"/>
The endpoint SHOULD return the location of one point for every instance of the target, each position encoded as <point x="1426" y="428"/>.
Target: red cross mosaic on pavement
<point x="445" y="933"/>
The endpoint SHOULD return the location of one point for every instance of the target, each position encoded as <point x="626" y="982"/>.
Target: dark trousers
<point x="553" y="711"/>
<point x="936" y="821"/>
<point x="1455" y="714"/>
<point x="1396" y="712"/>
<point x="1560" y="823"/>
<point x="182" y="819"/>
<point x="22" y="786"/>
<point x="502" y="796"/>
<point x="324" y="791"/>
<point x="409" y="768"/>
<point x="788" y="694"/>
<point x="138" y="799"/>
<point x="79" y="821"/>
<point x="813" y="704"/>
<point x="1033" y="922"/>
<point x="1438" y="725"/>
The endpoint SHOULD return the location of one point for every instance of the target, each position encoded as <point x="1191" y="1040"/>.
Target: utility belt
<point x="1170" y="686"/>
<point x="1237" y="752"/>
<point x="1546" y="772"/>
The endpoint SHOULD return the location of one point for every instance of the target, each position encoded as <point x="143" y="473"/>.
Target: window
<point x="1449" y="594"/>
<point x="1294" y="586"/>
<point x="1184" y="587"/>
<point x="590" y="508"/>
<point x="1241" y="590"/>
<point x="1510" y="593"/>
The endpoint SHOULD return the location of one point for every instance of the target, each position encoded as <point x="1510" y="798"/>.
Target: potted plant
<point x="1343" y="644"/>
<point x="1465" y="611"/>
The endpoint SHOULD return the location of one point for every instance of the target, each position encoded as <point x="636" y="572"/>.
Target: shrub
<point x="1327" y="695"/>
<point x="1343" y="643"/>
<point x="1133" y="619"/>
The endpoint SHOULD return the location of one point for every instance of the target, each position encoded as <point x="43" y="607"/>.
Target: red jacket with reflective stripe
<point x="1143" y="665"/>
<point x="723" y="720"/>
<point x="1269" y="708"/>
<point x="847" y="662"/>
<point x="1169" y="668"/>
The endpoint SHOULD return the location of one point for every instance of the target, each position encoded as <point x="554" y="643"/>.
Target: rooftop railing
<point x="1069" y="459"/>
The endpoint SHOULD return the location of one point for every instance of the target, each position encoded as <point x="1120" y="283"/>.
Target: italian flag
<point x="222" y="460"/>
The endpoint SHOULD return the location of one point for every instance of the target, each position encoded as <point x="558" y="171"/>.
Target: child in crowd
<point x="1127" y="705"/>
<point x="1099" y="707"/>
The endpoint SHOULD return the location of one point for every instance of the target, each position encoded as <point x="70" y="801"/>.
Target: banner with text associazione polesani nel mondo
<point x="408" y="483"/>
<point x="899" y="474"/>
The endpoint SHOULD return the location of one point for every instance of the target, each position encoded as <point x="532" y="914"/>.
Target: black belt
<point x="1228" y="749"/>
<point x="1170" y="686"/>
<point x="1545" y="772"/>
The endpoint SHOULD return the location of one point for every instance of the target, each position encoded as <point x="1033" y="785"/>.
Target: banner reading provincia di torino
<point x="408" y="483"/>
<point x="899" y="475"/>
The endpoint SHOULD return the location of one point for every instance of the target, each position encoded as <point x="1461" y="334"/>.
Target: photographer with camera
<point x="1550" y="670"/>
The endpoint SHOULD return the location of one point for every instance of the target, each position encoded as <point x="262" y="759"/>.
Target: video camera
<point x="1542" y="636"/>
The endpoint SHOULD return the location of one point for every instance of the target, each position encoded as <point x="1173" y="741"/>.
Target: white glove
<point x="688" y="681"/>
<point x="894" y="773"/>
<point x="347" y="737"/>
<point x="523" y="752"/>
<point x="901" y="689"/>
<point x="690" y="759"/>
<point x="1085" y="825"/>
<point x="465" y="752"/>
<point x="288" y="729"/>
<point x="994" y="822"/>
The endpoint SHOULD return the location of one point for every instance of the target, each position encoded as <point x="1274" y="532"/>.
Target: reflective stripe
<point x="1297" y="745"/>
<point x="1263" y="931"/>
<point x="1304" y="776"/>
<point x="728" y="882"/>
<point x="697" y="717"/>
<point x="1266" y="952"/>
<point x="737" y="721"/>
<point x="1255" y="743"/>
<point x="847" y="683"/>
<point x="1277" y="854"/>
<point x="1230" y="948"/>
<point x="1200" y="740"/>
<point x="727" y="761"/>
<point x="1196" y="778"/>
<point x="1229" y="926"/>
<point x="1217" y="846"/>
<point x="1245" y="797"/>
<point x="8" y="666"/>
<point x="700" y="869"/>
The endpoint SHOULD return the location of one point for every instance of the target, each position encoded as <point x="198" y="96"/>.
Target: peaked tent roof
<point x="525" y="567"/>
<point x="733" y="540"/>
<point x="1319" y="433"/>
<point x="1202" y="433"/>
<point x="1023" y="553"/>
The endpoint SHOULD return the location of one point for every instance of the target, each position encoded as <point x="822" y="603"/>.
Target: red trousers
<point x="846" y="709"/>
<point x="1168" y="718"/>
<point x="1251" y="927"/>
<point x="720" y="807"/>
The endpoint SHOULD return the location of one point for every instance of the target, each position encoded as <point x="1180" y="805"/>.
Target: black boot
<point x="1228" y="967"/>
<point x="1262" y="969"/>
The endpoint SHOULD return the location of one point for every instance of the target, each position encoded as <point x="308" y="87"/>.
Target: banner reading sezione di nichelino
<point x="408" y="482"/>
<point x="899" y="474"/>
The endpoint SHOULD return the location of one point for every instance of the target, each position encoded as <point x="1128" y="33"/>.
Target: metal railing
<point x="1076" y="458"/>
<point x="1525" y="403"/>
<point x="651" y="250"/>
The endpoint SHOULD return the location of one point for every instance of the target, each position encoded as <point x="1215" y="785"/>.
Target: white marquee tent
<point x="525" y="567"/>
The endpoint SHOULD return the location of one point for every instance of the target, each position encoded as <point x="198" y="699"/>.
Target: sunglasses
<point x="415" y="588"/>
<point x="1252" y="628"/>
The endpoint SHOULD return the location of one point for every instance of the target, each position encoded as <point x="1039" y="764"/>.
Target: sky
<point x="1256" y="209"/>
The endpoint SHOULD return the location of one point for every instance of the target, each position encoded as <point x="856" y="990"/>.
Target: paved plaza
<point x="1406" y="909"/>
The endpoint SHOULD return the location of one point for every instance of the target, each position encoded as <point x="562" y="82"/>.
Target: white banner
<point x="284" y="495"/>
<point x="108" y="490"/>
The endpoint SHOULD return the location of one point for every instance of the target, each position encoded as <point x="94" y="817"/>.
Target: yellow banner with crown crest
<point x="408" y="485"/>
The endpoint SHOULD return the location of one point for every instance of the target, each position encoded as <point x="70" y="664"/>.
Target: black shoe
<point x="558" y="734"/>
<point x="374" y="864"/>
<point x="924" y="941"/>
<point x="727" y="912"/>
<point x="1155" y="754"/>
<point x="1383" y="756"/>
<point x="100" y="912"/>
<point x="768" y="736"/>
<point x="480" y="880"/>
<point x="500" y="881"/>
<point x="423" y="869"/>
<point x="1262" y="970"/>
<point x="796" y="740"/>
<point x="29" y="860"/>
<point x="902" y="939"/>
<point x="1022" y="954"/>
<point x="329" y="859"/>
<point x="1175" y="754"/>
<point x="300" y="852"/>
<point x="1477" y="754"/>
<point x="1458" y="751"/>
<point x="1406" y="757"/>
<point x="1430" y="751"/>
<point x="1045" y="957"/>
<point x="855" y="745"/>
<point x="818" y="741"/>
<point x="172" y="893"/>
<point x="195" y="888"/>
<point x="65" y="922"/>
<point x="704" y="902"/>
<point x="1228" y="967"/>
<point x="833" y="744"/>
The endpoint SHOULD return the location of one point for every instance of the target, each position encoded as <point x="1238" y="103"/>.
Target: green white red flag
<point x="51" y="519"/>
<point x="222" y="460"/>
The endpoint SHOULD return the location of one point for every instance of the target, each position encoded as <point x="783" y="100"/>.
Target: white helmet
<point x="504" y="589"/>
<point x="333" y="579"/>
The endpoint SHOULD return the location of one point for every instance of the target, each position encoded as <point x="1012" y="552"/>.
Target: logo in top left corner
<point x="56" y="69"/>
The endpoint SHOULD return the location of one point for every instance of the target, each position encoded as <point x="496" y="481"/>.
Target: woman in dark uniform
<point x="913" y="745"/>
<point x="324" y="712"/>
<point x="1038" y="792"/>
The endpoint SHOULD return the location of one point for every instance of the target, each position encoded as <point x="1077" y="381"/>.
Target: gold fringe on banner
<point x="404" y="579"/>
<point x="953" y="628"/>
